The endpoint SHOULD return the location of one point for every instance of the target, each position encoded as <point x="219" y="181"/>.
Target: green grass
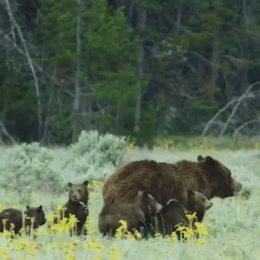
<point x="209" y="142"/>
<point x="233" y="223"/>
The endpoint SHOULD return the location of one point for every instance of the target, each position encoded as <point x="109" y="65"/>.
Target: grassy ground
<point x="233" y="224"/>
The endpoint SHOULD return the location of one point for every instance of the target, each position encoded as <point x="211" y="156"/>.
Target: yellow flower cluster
<point x="97" y="184"/>
<point x="93" y="245"/>
<point x="123" y="232"/>
<point x="114" y="253"/>
<point x="64" y="225"/>
<point x="194" y="230"/>
<point x="5" y="253"/>
<point x="131" y="145"/>
<point x="25" y="244"/>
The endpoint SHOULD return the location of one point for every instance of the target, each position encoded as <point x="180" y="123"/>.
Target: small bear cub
<point x="13" y="219"/>
<point x="136" y="213"/>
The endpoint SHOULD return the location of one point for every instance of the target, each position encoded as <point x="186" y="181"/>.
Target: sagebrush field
<point x="34" y="175"/>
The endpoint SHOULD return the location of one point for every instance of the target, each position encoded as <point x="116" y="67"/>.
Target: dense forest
<point x="139" y="68"/>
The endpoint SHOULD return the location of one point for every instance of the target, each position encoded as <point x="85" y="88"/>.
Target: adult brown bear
<point x="165" y="181"/>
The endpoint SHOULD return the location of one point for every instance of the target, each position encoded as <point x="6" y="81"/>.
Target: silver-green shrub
<point x="26" y="168"/>
<point x="94" y="156"/>
<point x="29" y="168"/>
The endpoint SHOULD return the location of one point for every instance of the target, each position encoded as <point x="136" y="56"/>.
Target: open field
<point x="233" y="224"/>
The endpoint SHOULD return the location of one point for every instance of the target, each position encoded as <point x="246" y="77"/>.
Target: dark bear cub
<point x="136" y="213"/>
<point x="14" y="219"/>
<point x="174" y="214"/>
<point x="78" y="205"/>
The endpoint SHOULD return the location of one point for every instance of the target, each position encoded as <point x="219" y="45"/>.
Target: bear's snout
<point x="74" y="197"/>
<point x="236" y="186"/>
<point x="208" y="205"/>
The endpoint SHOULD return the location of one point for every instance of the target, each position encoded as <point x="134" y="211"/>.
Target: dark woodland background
<point x="141" y="68"/>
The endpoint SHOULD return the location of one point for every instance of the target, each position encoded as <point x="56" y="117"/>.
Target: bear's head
<point x="147" y="203"/>
<point x="78" y="192"/>
<point x="222" y="183"/>
<point x="172" y="215"/>
<point x="34" y="216"/>
<point x="198" y="202"/>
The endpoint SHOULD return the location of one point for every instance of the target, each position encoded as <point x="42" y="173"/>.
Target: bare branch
<point x="223" y="109"/>
<point x="236" y="132"/>
<point x="240" y="99"/>
<point x="29" y="59"/>
<point x="37" y="66"/>
<point x="203" y="58"/>
<point x="4" y="133"/>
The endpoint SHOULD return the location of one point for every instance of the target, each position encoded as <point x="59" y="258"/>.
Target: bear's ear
<point x="171" y="201"/>
<point x="69" y="184"/>
<point x="140" y="193"/>
<point x="200" y="158"/>
<point x="27" y="207"/>
<point x="209" y="160"/>
<point x="85" y="183"/>
<point x="40" y="208"/>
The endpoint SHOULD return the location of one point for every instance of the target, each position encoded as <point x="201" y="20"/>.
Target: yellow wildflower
<point x="137" y="235"/>
<point x="200" y="228"/>
<point x="191" y="216"/>
<point x="201" y="241"/>
<point x="157" y="235"/>
<point x="97" y="184"/>
<point x="93" y="245"/>
<point x="5" y="253"/>
<point x="172" y="237"/>
<point x="114" y="253"/>
<point x="98" y="256"/>
<point x="121" y="230"/>
<point x="51" y="218"/>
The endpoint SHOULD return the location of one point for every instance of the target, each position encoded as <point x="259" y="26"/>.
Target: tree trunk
<point x="31" y="65"/>
<point x="141" y="26"/>
<point x="212" y="82"/>
<point x="45" y="139"/>
<point x="77" y="88"/>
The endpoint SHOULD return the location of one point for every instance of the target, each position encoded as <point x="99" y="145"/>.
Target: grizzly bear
<point x="174" y="214"/>
<point x="165" y="181"/>
<point x="136" y="213"/>
<point x="77" y="205"/>
<point x="33" y="218"/>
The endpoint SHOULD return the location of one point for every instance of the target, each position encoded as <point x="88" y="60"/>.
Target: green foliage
<point x="94" y="156"/>
<point x="26" y="168"/>
<point x="197" y="56"/>
<point x="29" y="167"/>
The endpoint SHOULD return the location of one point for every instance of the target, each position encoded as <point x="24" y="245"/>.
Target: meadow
<point x="35" y="175"/>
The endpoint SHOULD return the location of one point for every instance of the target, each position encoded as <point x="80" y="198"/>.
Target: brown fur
<point x="77" y="205"/>
<point x="136" y="213"/>
<point x="165" y="181"/>
<point x="198" y="202"/>
<point x="15" y="221"/>
<point x="174" y="214"/>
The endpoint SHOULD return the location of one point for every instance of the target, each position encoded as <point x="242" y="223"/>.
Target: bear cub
<point x="137" y="213"/>
<point x="33" y="218"/>
<point x="77" y="205"/>
<point x="174" y="214"/>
